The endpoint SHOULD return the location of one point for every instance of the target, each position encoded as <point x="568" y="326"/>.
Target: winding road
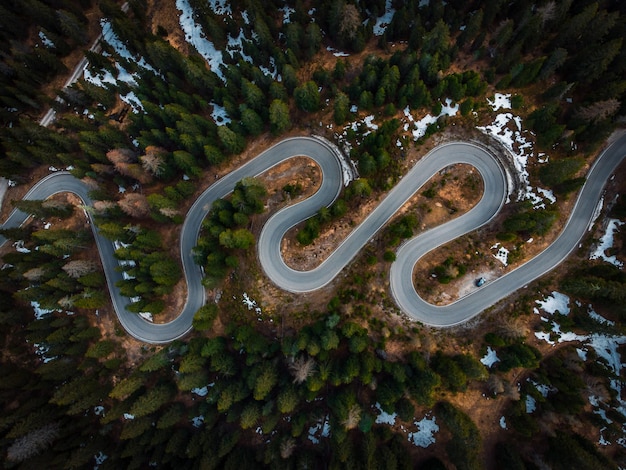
<point x="401" y="276"/>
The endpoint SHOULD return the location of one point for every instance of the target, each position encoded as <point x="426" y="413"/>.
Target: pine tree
<point x="287" y="399"/>
<point x="279" y="117"/>
<point x="174" y="414"/>
<point x="307" y="96"/>
<point x="231" y="141"/>
<point x="265" y="382"/>
<point x="127" y="387"/>
<point x="151" y="401"/>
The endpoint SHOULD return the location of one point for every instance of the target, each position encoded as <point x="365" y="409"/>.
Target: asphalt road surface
<point x="408" y="254"/>
<point x="490" y="293"/>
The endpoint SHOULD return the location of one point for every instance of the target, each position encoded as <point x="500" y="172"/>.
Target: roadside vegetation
<point x="297" y="386"/>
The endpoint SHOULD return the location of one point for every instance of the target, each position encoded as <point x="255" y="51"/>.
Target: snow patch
<point x="606" y="242"/>
<point x="219" y="115"/>
<point x="544" y="336"/>
<point x="39" y="312"/>
<point x="337" y="53"/>
<point x="146" y="316"/>
<point x="418" y="128"/>
<point x="502" y="255"/>
<point x="425" y="434"/>
<point x="197" y="421"/>
<point x="383" y="21"/>
<point x="596" y="213"/>
<point x="221" y="7"/>
<point x="531" y="404"/>
<point x="323" y="426"/>
<point x="507" y="129"/>
<point x="490" y="358"/>
<point x="556" y="302"/>
<point x="201" y="392"/>
<point x="46" y="41"/>
<point x="287" y="11"/>
<point x="109" y="36"/>
<point x="599" y="318"/>
<point x="500" y="101"/>
<point x="384" y="417"/>
<point x="99" y="458"/>
<point x="195" y="36"/>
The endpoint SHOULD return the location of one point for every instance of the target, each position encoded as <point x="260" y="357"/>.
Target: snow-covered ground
<point x="195" y="36"/>
<point x="605" y="345"/>
<point x="383" y="21"/>
<point x="606" y="242"/>
<point x="365" y="125"/>
<point x="146" y="316"/>
<point x="202" y="392"/>
<point x="321" y="429"/>
<point x="418" y="128"/>
<point x="425" y="434"/>
<point x="421" y="435"/>
<point x="104" y="77"/>
<point x="39" y="312"/>
<point x="337" y="53"/>
<point x="508" y="130"/>
<point x="384" y="417"/>
<point x="502" y="254"/>
<point x="500" y="101"/>
<point x="556" y="302"/>
<point x="531" y="404"/>
<point x="490" y="358"/>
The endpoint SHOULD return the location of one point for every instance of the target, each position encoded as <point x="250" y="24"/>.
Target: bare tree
<point x="125" y="163"/>
<point x="511" y="391"/>
<point x="353" y="418"/>
<point x="34" y="274"/>
<point x="134" y="204"/>
<point x="595" y="387"/>
<point x="287" y="447"/>
<point x="33" y="442"/>
<point x="79" y="267"/>
<point x="547" y="12"/>
<point x="301" y="368"/>
<point x="154" y="160"/>
<point x="117" y="156"/>
<point x="66" y="302"/>
<point x="350" y="21"/>
<point x="513" y="328"/>
<point x="101" y="207"/>
<point x="90" y="183"/>
<point x="495" y="384"/>
<point x="169" y="212"/>
<point x="600" y="110"/>
<point x="133" y="170"/>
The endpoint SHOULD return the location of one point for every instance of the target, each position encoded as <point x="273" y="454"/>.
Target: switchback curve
<point x="408" y="254"/>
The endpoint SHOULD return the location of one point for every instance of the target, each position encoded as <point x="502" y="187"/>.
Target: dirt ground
<point x="456" y="192"/>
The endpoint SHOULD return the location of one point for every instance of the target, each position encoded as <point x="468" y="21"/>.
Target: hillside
<point x="176" y="95"/>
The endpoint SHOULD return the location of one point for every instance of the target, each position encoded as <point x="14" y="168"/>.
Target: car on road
<point x="480" y="281"/>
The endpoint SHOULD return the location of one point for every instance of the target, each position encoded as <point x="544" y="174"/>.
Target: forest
<point x="153" y="118"/>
